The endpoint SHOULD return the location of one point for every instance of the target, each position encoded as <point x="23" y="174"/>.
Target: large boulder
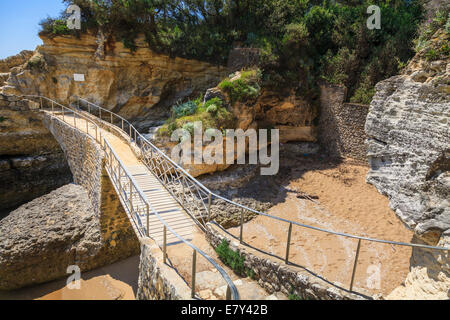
<point x="42" y="238"/>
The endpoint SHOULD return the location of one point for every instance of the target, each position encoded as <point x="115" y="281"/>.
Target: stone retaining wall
<point x="84" y="155"/>
<point x="86" y="161"/>
<point x="342" y="124"/>
<point x="276" y="276"/>
<point x="158" y="281"/>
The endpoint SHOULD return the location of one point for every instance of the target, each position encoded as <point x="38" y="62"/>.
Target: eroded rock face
<point x="409" y="155"/>
<point x="409" y="149"/>
<point x="15" y="61"/>
<point x="130" y="83"/>
<point x="43" y="237"/>
<point x="31" y="161"/>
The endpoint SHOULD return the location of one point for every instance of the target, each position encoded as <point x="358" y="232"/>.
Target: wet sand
<point x="114" y="282"/>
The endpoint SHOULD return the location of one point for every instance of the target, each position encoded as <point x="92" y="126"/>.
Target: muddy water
<point x="114" y="282"/>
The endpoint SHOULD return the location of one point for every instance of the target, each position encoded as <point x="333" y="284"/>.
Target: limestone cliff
<point x="409" y="156"/>
<point x="137" y="85"/>
<point x="15" y="61"/>
<point x="31" y="161"/>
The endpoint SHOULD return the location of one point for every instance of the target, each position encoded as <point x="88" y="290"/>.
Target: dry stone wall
<point x="158" y="281"/>
<point x="84" y="155"/>
<point x="342" y="124"/>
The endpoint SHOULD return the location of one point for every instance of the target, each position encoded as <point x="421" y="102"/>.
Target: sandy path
<point x="346" y="204"/>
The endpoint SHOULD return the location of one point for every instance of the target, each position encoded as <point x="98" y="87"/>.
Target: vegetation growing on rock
<point x="300" y="41"/>
<point x="212" y="114"/>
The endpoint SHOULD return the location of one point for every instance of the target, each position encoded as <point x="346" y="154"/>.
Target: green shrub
<point x="431" y="55"/>
<point x="212" y="109"/>
<point x="189" y="127"/>
<point x="363" y="94"/>
<point x="185" y="109"/>
<point x="242" y="89"/>
<point x="447" y="24"/>
<point x="232" y="259"/>
<point x="293" y="296"/>
<point x="55" y="27"/>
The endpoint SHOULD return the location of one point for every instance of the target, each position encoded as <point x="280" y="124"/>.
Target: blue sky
<point x="19" y="23"/>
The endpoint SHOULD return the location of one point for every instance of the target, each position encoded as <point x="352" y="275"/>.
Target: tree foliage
<point x="301" y="41"/>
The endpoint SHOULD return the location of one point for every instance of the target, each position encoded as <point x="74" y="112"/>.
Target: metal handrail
<point x="133" y="130"/>
<point x="262" y="213"/>
<point x="232" y="291"/>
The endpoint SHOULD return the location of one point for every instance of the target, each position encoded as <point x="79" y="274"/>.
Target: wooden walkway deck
<point x="160" y="199"/>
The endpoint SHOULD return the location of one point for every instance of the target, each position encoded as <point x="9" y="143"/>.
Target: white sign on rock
<point x="78" y="77"/>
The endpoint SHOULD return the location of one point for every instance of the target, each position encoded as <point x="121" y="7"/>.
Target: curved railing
<point x="197" y="199"/>
<point x="130" y="194"/>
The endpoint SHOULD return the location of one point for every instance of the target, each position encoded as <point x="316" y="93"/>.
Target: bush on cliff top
<point x="301" y="41"/>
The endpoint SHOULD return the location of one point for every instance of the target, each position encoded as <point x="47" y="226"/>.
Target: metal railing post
<point x="100" y="113"/>
<point x="194" y="271"/>
<point x="112" y="118"/>
<point x="355" y="264"/>
<point x="183" y="195"/>
<point x="62" y="108"/>
<point x="131" y="135"/>
<point x="209" y="206"/>
<point x="89" y="108"/>
<point x="241" y="235"/>
<point x="42" y="107"/>
<point x="120" y="179"/>
<point x="228" y="294"/>
<point x="53" y="108"/>
<point x="288" y="243"/>
<point x="148" y="220"/>
<point x="165" y="245"/>
<point x="87" y="127"/>
<point x="110" y="158"/>
<point x="131" y="197"/>
<point x="122" y="125"/>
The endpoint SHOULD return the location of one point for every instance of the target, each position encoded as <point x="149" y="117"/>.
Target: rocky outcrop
<point x="31" y="161"/>
<point x="42" y="238"/>
<point x="409" y="156"/>
<point x="291" y="114"/>
<point x="138" y="85"/>
<point x="15" y="61"/>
